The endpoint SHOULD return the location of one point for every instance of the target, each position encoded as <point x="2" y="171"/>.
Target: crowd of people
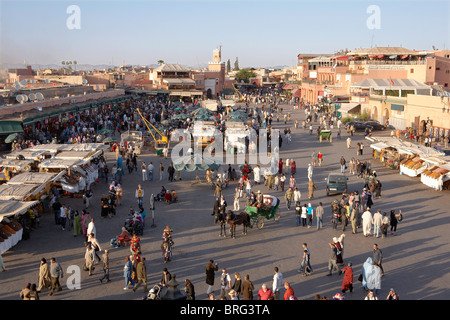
<point x="351" y="208"/>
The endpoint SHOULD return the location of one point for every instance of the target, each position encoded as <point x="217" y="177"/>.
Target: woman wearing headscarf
<point x="311" y="187"/>
<point x="44" y="276"/>
<point x="124" y="237"/>
<point x="76" y="224"/>
<point x="340" y="249"/>
<point x="292" y="182"/>
<point x="378" y="189"/>
<point x="190" y="292"/>
<point x="104" y="206"/>
<point x="293" y="167"/>
<point x="371" y="276"/>
<point x="347" y="282"/>
<point x="85" y="219"/>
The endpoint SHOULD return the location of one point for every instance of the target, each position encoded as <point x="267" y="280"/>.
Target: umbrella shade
<point x="201" y="111"/>
<point x="236" y="120"/>
<point x="103" y="131"/>
<point x="181" y="116"/>
<point x="201" y="116"/>
<point x="109" y="139"/>
<point x="195" y="162"/>
<point x="238" y="115"/>
<point x="178" y="109"/>
<point x="11" y="137"/>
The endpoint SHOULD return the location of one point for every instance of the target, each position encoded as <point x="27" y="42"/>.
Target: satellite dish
<point x="19" y="98"/>
<point x="25" y="98"/>
<point x="85" y="81"/>
<point x="39" y="96"/>
<point x="32" y="96"/>
<point x="47" y="80"/>
<point x="17" y="85"/>
<point x="24" y="82"/>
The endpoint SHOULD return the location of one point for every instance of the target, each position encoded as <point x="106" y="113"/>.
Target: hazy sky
<point x="260" y="33"/>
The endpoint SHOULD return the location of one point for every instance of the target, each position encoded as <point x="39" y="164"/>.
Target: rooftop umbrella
<point x="181" y="116"/>
<point x="201" y="111"/>
<point x="195" y="162"/>
<point x="109" y="139"/>
<point x="102" y="131"/>
<point x="11" y="137"/>
<point x="201" y="116"/>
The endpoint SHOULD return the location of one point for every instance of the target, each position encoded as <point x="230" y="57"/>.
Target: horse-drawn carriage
<point x="325" y="135"/>
<point x="268" y="211"/>
<point x="252" y="216"/>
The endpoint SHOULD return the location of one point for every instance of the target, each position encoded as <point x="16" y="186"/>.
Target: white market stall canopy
<point x="228" y="103"/>
<point x="19" y="191"/>
<point x="54" y="147"/>
<point x="205" y="130"/>
<point x="379" y="145"/>
<point x="27" y="154"/>
<point x="404" y="147"/>
<point x="209" y="104"/>
<point x="54" y="163"/>
<point x="18" y="164"/>
<point x="83" y="147"/>
<point x="33" y="178"/>
<point x="69" y="155"/>
<point x="9" y="208"/>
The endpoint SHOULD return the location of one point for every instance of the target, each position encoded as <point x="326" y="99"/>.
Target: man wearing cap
<point x="232" y="295"/>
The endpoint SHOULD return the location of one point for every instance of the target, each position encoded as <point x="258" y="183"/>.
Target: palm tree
<point x="69" y="68"/>
<point x="160" y="62"/>
<point x="64" y="63"/>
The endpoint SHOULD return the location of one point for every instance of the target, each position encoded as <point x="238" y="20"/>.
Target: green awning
<point x="28" y="121"/>
<point x="8" y="127"/>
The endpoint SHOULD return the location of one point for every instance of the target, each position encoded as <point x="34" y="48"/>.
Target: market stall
<point x="21" y="192"/>
<point x="436" y="176"/>
<point x="10" y="230"/>
<point x="33" y="178"/>
<point x="412" y="166"/>
<point x="390" y="157"/>
<point x="11" y="167"/>
<point x="235" y="135"/>
<point x="28" y="154"/>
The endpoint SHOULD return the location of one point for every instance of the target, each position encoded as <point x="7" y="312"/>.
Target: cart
<point x="325" y="135"/>
<point x="268" y="211"/>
